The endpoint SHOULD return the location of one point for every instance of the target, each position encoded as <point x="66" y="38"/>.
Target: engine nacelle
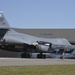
<point x="42" y="48"/>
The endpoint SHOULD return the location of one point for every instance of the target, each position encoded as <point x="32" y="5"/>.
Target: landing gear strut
<point x="62" y="56"/>
<point x="41" y="56"/>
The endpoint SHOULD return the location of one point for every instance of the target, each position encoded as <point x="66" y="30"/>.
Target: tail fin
<point x="4" y="26"/>
<point x="3" y="21"/>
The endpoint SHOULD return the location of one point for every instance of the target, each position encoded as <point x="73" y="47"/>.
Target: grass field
<point x="38" y="70"/>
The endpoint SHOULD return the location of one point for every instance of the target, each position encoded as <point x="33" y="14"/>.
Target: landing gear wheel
<point x="61" y="57"/>
<point x="44" y="56"/>
<point x="38" y="56"/>
<point x="41" y="56"/>
<point x="25" y="55"/>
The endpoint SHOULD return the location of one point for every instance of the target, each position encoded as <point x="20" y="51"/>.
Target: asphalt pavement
<point x="28" y="62"/>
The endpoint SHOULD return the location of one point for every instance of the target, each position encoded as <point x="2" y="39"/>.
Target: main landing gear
<point x="41" y="56"/>
<point x="26" y="55"/>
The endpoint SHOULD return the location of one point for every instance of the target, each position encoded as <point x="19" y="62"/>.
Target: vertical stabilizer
<point x="4" y="26"/>
<point x="3" y="21"/>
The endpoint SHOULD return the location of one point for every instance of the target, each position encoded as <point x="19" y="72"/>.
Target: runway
<point x="28" y="62"/>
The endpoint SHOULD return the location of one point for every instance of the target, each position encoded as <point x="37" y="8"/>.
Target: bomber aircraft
<point x="12" y="40"/>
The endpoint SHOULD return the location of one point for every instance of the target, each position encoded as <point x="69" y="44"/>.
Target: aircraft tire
<point x="61" y="57"/>
<point x="24" y="55"/>
<point x="44" y="56"/>
<point x="41" y="56"/>
<point x="38" y="56"/>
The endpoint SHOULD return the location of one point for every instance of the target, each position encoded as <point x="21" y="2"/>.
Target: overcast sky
<point x="39" y="13"/>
